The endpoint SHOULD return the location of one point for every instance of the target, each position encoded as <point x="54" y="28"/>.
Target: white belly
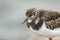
<point x="47" y="32"/>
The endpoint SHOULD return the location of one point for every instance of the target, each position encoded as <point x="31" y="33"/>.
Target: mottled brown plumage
<point x="50" y="17"/>
<point x="53" y="24"/>
<point x="30" y="12"/>
<point x="47" y="14"/>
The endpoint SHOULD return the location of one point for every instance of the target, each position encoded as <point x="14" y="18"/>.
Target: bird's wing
<point x="53" y="24"/>
<point x="50" y="15"/>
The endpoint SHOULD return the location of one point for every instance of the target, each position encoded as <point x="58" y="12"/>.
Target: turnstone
<point x="43" y="22"/>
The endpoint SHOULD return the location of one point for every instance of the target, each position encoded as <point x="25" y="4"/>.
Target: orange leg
<point x="50" y="38"/>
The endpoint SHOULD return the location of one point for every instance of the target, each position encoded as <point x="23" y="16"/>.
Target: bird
<point x="44" y="23"/>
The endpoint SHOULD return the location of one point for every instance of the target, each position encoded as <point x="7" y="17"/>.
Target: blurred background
<point x="12" y="14"/>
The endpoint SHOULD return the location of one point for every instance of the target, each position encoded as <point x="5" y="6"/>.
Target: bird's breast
<point x="45" y="32"/>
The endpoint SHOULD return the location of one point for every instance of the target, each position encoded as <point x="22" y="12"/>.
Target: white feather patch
<point x="29" y="20"/>
<point x="45" y="32"/>
<point x="37" y="20"/>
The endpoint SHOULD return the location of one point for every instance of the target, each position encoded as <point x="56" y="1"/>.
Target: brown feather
<point x="30" y="12"/>
<point x="52" y="18"/>
<point x="53" y="24"/>
<point x="49" y="15"/>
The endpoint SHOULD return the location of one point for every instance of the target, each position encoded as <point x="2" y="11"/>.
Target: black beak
<point x="24" y="21"/>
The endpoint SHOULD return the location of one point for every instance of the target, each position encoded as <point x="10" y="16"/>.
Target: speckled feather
<point x="50" y="17"/>
<point x="53" y="24"/>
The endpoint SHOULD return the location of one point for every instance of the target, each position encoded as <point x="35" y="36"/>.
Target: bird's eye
<point x="29" y="15"/>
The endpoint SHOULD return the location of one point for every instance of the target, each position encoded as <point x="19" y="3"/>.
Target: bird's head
<point x="31" y="14"/>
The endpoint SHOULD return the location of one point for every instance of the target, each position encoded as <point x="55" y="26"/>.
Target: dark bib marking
<point x="35" y="26"/>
